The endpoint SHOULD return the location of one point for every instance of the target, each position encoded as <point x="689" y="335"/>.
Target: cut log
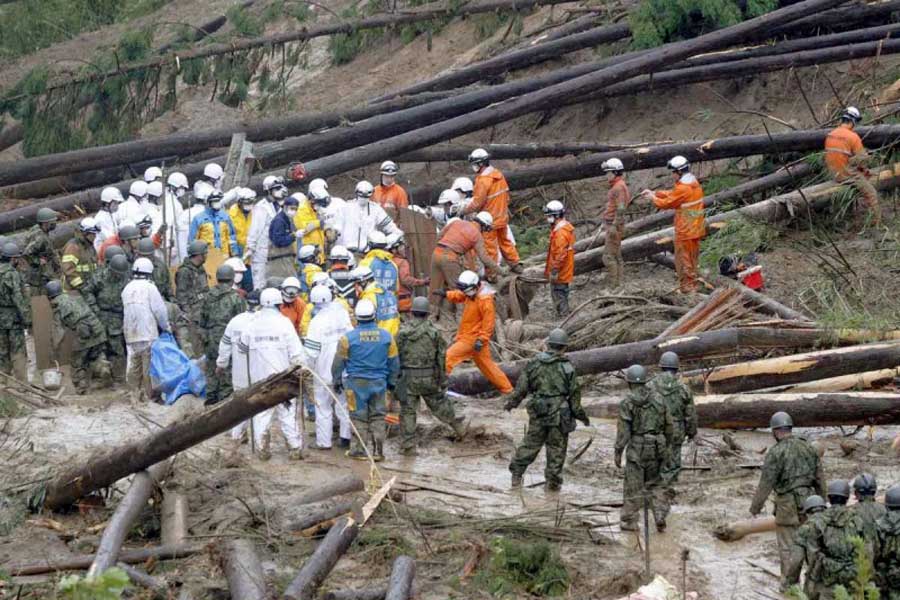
<point x="154" y="584"/>
<point x="460" y="152"/>
<point x="243" y="570"/>
<point x="762" y="302"/>
<point x="374" y="593"/>
<point x="796" y="368"/>
<point x="239" y="164"/>
<point x="738" y="530"/>
<point x="130" y="507"/>
<point x="84" y="561"/>
<point x="314" y="519"/>
<point x="401" y="583"/>
<point x="856" y="381"/>
<point x="106" y="468"/>
<point x="173" y="518"/>
<point x="347" y="484"/>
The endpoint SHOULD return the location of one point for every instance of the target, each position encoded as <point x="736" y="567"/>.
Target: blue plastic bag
<point x="173" y="372"/>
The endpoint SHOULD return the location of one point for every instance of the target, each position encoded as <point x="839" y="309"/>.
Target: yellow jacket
<point x="241" y="224"/>
<point x="306" y="279"/>
<point x="382" y="264"/>
<point x="386" y="312"/>
<point x="306" y="214"/>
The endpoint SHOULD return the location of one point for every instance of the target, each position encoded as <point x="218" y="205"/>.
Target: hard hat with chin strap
<point x="272" y="181"/>
<point x="320" y="294"/>
<point x="449" y="197"/>
<point x="463" y="185"/>
<point x="138" y="189"/>
<point x="479" y="156"/>
<point x="678" y="164"/>
<point x="202" y="191"/>
<point x="338" y="253"/>
<point x="485" y="219"/>
<point x="142" y="267"/>
<point x="111" y="194"/>
<point x="88" y="225"/>
<point x="851" y="113"/>
<point x="468" y="280"/>
<point x="363" y="274"/>
<point x="613" y="165"/>
<point x="152" y="174"/>
<point x="554" y="208"/>
<point x="177" y="181"/>
<point x="365" y="310"/>
<point x="270" y="298"/>
<point x="389" y="167"/>
<point x="307" y="253"/>
<point x="155" y="189"/>
<point x="236" y="264"/>
<point x="318" y="189"/>
<point x="364" y="189"/>
<point x="377" y="239"/>
<point x="213" y="171"/>
<point x="291" y="283"/>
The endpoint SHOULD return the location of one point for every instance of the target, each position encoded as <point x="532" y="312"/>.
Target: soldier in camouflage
<point x="680" y="402"/>
<point x="130" y="236"/>
<point x="42" y="260"/>
<point x="79" y="258"/>
<point x="887" y="547"/>
<point x="106" y="295"/>
<point x="864" y="487"/>
<point x="88" y="356"/>
<point x="161" y="277"/>
<point x="804" y="550"/>
<point x="834" y="531"/>
<point x="422" y="376"/>
<point x="181" y="328"/>
<point x="646" y="429"/>
<point x="222" y="304"/>
<point x="15" y="312"/>
<point x="191" y="288"/>
<point x="793" y="470"/>
<point x="553" y="408"/>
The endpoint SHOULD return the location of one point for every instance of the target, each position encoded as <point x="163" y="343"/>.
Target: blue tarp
<point x="173" y="372"/>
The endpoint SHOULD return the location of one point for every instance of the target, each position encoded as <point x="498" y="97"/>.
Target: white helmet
<point x="89" y="225"/>
<point x="245" y="193"/>
<point x="394" y="240"/>
<point x="152" y="174"/>
<point x="177" y="181"/>
<point x="851" y="113"/>
<point x="364" y="190"/>
<point x="554" y="208"/>
<point x="270" y="298"/>
<point x="377" y="239"/>
<point x="110" y="194"/>
<point x="321" y="294"/>
<point x="307" y="252"/>
<point x="138" y="189"/>
<point x="485" y="219"/>
<point x="318" y="189"/>
<point x="272" y="181"/>
<point x="389" y="167"/>
<point x="213" y="171"/>
<point x="320" y="278"/>
<point x="290" y="282"/>
<point x="362" y="274"/>
<point x="479" y="156"/>
<point x="450" y="197"/>
<point x="203" y="190"/>
<point x="155" y="189"/>
<point x="365" y="310"/>
<point x="236" y="264"/>
<point x="300" y="197"/>
<point x="613" y="165"/>
<point x="468" y="280"/>
<point x="338" y="252"/>
<point x="142" y="266"/>
<point x="463" y="185"/>
<point x="678" y="164"/>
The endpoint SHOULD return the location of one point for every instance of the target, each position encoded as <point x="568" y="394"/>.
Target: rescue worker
<point x="686" y="198"/>
<point x="161" y="278"/>
<point x="231" y="359"/>
<point x="221" y="305"/>
<point x="887" y="546"/>
<point x="864" y="488"/>
<point x="116" y="241"/>
<point x="363" y="217"/>
<point x="292" y="305"/>
<point x="407" y="283"/>
<point x="617" y="200"/>
<point x="144" y="316"/>
<point x="846" y="157"/>
<point x="107" y="218"/>
<point x="170" y="219"/>
<point x="202" y="192"/>
<point x="644" y="434"/>
<point x="386" y="314"/>
<point x="273" y="346"/>
<point x="836" y="552"/>
<point x="282" y="253"/>
<point x="456" y="239"/>
<point x="241" y="215"/>
<point x="181" y="329"/>
<point x="328" y="325"/>
<point x="804" y="551"/>
<point x="554" y="406"/>
<point x="339" y="270"/>
<point x="793" y="470"/>
<point x="307" y="256"/>
<point x="381" y="262"/>
<point x="308" y="226"/>
<point x="214" y="227"/>
<point x="79" y="257"/>
<point x="559" y="267"/>
<point x="331" y="211"/>
<point x="152" y="174"/>
<point x="491" y="194"/>
<point x="240" y="270"/>
<point x="145" y="229"/>
<point x="129" y="237"/>
<point x="368" y="357"/>
<point x="39" y="253"/>
<point x="473" y="339"/>
<point x="464" y="187"/>
<point x="15" y="313"/>
<point x="423" y="376"/>
<point x="680" y="401"/>
<point x="132" y="208"/>
<point x="213" y="174"/>
<point x="191" y="287"/>
<point x="106" y="296"/>
<point x="88" y="358"/>
<point x="257" y="250"/>
<point x="389" y="194"/>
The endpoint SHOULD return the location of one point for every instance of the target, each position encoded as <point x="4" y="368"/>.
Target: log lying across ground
<point x="738" y="530"/>
<point x="336" y="487"/>
<point x="403" y="572"/>
<point x="173" y="518"/>
<point x="84" y="561"/>
<point x="373" y="593"/>
<point x="243" y="570"/>
<point x="842" y="383"/>
<point x="104" y="469"/>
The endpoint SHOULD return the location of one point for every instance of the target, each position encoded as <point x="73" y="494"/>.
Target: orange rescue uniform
<point x="405" y="283"/>
<point x="294" y="312"/>
<point x="561" y="253"/>
<point x="491" y="194"/>
<point x="455" y="241"/>
<point x="391" y="197"/>
<point x="843" y="151"/>
<point x="477" y="323"/>
<point x="690" y="226"/>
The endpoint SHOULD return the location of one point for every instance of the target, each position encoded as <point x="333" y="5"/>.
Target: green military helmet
<point x="119" y="264"/>
<point x="838" y="489"/>
<point x="636" y="374"/>
<point x="274" y="282"/>
<point x="420" y="305"/>
<point x="781" y="420"/>
<point x="146" y="247"/>
<point x="814" y="503"/>
<point x="11" y="250"/>
<point x="865" y="484"/>
<point x="558" y="338"/>
<point x="112" y="252"/>
<point x="53" y="288"/>
<point x="892" y="498"/>
<point x="197" y="247"/>
<point x="129" y="232"/>
<point x="669" y="360"/>
<point x="47" y="215"/>
<point x="225" y="274"/>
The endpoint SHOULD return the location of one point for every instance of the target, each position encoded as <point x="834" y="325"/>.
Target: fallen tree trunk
<point x="130" y="507"/>
<point x="319" y="565"/>
<point x="460" y="152"/>
<point x="375" y="593"/>
<point x="84" y="561"/>
<point x="243" y="571"/>
<point x="401" y="582"/>
<point x="310" y="524"/>
<point x="206" y="29"/>
<point x="738" y="530"/>
<point x="173" y="518"/>
<point x="856" y="381"/>
<point x="159" y="586"/>
<point x="106" y="468"/>
<point x="337" y="487"/>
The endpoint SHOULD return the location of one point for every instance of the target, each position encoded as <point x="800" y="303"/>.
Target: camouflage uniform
<point x="645" y="427"/>
<point x="423" y="376"/>
<point x="221" y="305"/>
<point x="836" y="560"/>
<point x="15" y="318"/>
<point x="680" y="402"/>
<point x="887" y="555"/>
<point x="181" y="328"/>
<point x="105" y="297"/>
<point x="161" y="277"/>
<point x="553" y="408"/>
<point x="79" y="262"/>
<point x="793" y="470"/>
<point x="90" y="339"/>
<point x="804" y="551"/>
<point x="869" y="511"/>
<point x="191" y="288"/>
<point x="42" y="258"/>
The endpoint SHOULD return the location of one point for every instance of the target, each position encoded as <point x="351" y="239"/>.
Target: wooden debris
<point x="243" y="570"/>
<point x="139" y="577"/>
<point x="84" y="561"/>
<point x="401" y="582"/>
<point x="173" y="518"/>
<point x="732" y="532"/>
<point x="337" y="487"/>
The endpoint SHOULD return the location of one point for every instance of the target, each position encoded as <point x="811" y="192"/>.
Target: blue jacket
<point x="281" y="230"/>
<point x="367" y="352"/>
<point x="216" y="229"/>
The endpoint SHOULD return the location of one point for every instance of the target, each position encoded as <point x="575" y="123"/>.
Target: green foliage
<point x="655" y="22"/>
<point x="12" y="514"/>
<point x="862" y="587"/>
<point x="531" y="240"/>
<point x="344" y="47"/>
<point x="244" y="22"/>
<point x="9" y="408"/>
<point x="717" y="183"/>
<point x="740" y="236"/>
<point x="287" y="8"/>
<point x="531" y="566"/>
<point x="487" y="24"/>
<point x="109" y="585"/>
<point x="381" y="545"/>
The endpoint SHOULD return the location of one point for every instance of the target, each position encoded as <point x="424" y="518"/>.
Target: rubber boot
<point x="516" y="482"/>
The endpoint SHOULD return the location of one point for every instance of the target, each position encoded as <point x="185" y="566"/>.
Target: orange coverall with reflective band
<point x="841" y="144"/>
<point x="477" y="323"/>
<point x="390" y="197"/>
<point x="294" y="313"/>
<point x="690" y="226"/>
<point x="561" y="253"/>
<point x="491" y="194"/>
<point x="405" y="282"/>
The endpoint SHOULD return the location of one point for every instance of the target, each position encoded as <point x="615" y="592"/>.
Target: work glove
<point x="247" y="254"/>
<point x="310" y="227"/>
<point x="618" y="459"/>
<point x="338" y="388"/>
<point x="585" y="420"/>
<point x="478" y="345"/>
<point x="503" y="270"/>
<point x="441" y="293"/>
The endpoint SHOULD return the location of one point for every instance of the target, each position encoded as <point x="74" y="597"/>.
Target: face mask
<point x="217" y="205"/>
<point x="238" y="277"/>
<point x="279" y="193"/>
<point x="550" y="220"/>
<point x="178" y="193"/>
<point x="475" y="168"/>
<point x="388" y="180"/>
<point x="291" y="212"/>
<point x="362" y="200"/>
<point x="112" y="207"/>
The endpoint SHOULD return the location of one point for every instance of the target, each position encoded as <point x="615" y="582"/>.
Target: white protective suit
<point x="131" y="210"/>
<point x="229" y="354"/>
<point x="359" y="220"/>
<point x="258" y="239"/>
<point x="319" y="347"/>
<point x="273" y="346"/>
<point x="332" y="216"/>
<point x="144" y="312"/>
<point x="109" y="226"/>
<point x="173" y="218"/>
<point x="183" y="227"/>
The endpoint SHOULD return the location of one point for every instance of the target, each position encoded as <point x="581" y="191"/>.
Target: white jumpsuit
<point x="229" y="354"/>
<point x="258" y="240"/>
<point x="359" y="220"/>
<point x="109" y="226"/>
<point x="183" y="227"/>
<point x="332" y="216"/>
